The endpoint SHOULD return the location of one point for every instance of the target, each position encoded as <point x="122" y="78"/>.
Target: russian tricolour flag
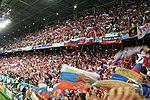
<point x="73" y="78"/>
<point x="88" y="40"/>
<point x="139" y="63"/>
<point x="74" y="42"/>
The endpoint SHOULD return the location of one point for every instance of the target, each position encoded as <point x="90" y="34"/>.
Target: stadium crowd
<point x="103" y="21"/>
<point x="32" y="67"/>
<point x="35" y="67"/>
<point x="47" y="65"/>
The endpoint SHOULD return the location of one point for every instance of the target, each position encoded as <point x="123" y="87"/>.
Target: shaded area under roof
<point x="26" y="12"/>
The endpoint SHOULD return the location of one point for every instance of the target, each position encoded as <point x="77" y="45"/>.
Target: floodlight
<point x="2" y="25"/>
<point x="57" y="13"/>
<point x="8" y="21"/>
<point x="75" y="6"/>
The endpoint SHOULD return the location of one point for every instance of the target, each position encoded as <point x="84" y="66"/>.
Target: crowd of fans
<point x="33" y="67"/>
<point x="30" y="64"/>
<point x="103" y="21"/>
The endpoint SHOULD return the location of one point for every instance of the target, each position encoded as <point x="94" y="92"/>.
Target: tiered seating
<point x="104" y="21"/>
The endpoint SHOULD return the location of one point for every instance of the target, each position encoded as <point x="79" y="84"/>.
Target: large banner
<point x="111" y="38"/>
<point x="81" y="41"/>
<point x="74" y="42"/>
<point x="125" y="35"/>
<point x="98" y="39"/>
<point x="44" y="46"/>
<point x="74" y="78"/>
<point x="142" y="30"/>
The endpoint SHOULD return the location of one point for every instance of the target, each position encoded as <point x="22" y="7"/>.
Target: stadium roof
<point x="29" y="14"/>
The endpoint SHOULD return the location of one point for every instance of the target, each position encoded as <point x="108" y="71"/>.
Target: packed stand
<point x="103" y="21"/>
<point x="49" y="65"/>
<point x="33" y="67"/>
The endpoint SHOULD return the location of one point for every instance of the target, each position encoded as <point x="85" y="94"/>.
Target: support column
<point x="121" y="2"/>
<point x="121" y="46"/>
<point x="94" y="48"/>
<point x="94" y="10"/>
<point x="136" y="40"/>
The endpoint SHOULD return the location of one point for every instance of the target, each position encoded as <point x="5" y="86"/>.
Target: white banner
<point x="142" y="30"/>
